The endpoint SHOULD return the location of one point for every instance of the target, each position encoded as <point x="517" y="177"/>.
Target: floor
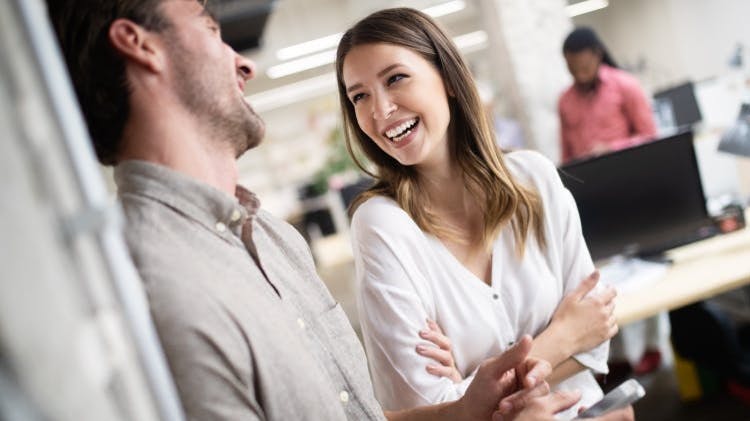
<point x="662" y="402"/>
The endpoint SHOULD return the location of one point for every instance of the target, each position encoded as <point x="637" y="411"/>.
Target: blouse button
<point x="495" y="296"/>
<point x="236" y="215"/>
<point x="221" y="227"/>
<point x="301" y="323"/>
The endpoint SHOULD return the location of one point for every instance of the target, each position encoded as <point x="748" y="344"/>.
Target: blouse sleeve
<point x="394" y="302"/>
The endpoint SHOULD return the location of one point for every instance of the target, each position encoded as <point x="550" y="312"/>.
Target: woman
<point x="484" y="244"/>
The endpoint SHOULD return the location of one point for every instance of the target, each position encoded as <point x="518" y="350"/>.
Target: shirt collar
<point x="201" y="202"/>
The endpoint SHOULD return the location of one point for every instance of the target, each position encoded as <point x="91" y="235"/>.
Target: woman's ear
<point x="136" y="44"/>
<point x="449" y="91"/>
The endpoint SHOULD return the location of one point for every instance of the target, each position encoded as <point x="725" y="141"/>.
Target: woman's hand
<point x="586" y="320"/>
<point x="442" y="354"/>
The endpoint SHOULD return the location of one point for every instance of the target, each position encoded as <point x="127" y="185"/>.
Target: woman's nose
<point x="383" y="107"/>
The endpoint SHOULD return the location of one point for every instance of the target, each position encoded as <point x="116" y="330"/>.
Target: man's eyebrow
<point x="380" y="74"/>
<point x="208" y="13"/>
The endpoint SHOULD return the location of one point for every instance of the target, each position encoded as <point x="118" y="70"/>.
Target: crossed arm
<point x="581" y="322"/>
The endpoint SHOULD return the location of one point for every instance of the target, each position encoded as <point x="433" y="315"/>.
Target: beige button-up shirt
<point x="249" y="330"/>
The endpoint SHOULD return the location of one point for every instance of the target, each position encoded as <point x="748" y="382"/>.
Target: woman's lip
<point x="396" y="124"/>
<point x="409" y="137"/>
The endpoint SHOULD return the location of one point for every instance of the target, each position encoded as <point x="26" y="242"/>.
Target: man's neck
<point x="176" y="141"/>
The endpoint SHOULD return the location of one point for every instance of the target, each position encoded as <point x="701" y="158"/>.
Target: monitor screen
<point x="681" y="103"/>
<point x="641" y="200"/>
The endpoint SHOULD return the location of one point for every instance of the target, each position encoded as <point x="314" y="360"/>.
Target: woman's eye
<point x="395" y="78"/>
<point x="357" y="97"/>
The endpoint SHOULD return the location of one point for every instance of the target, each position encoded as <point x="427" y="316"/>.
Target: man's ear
<point x="136" y="44"/>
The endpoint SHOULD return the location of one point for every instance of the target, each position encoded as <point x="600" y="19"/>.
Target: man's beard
<point x="228" y="119"/>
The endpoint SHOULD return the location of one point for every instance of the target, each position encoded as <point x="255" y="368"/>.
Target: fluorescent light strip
<point x="445" y="8"/>
<point x="470" y="40"/>
<point x="301" y="49"/>
<point x="301" y="64"/>
<point x="329" y="56"/>
<point x="293" y="92"/>
<point x="587" y="6"/>
<point x="330" y="41"/>
<point x="323" y="84"/>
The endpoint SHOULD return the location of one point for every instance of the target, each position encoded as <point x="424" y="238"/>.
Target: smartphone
<point x="623" y="395"/>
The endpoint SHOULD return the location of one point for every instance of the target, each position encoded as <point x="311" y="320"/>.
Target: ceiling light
<point x="585" y="6"/>
<point x="445" y="8"/>
<point x="331" y="41"/>
<point x="301" y="64"/>
<point x="293" y="92"/>
<point x="301" y="49"/>
<point x="470" y="40"/>
<point x="323" y="84"/>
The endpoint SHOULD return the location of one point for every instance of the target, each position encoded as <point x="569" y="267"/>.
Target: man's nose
<point x="245" y="67"/>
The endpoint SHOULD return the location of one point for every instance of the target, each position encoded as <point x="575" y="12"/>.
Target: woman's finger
<point x="434" y="326"/>
<point x="443" y="357"/>
<point x="586" y="285"/>
<point x="440" y="370"/>
<point x="436" y="338"/>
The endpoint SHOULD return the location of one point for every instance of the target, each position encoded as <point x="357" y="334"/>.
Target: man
<point x="605" y="109"/>
<point x="248" y="329"/>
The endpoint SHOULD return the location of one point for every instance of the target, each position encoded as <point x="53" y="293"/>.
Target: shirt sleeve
<point x="565" y="140"/>
<point x="211" y="371"/>
<point x="637" y="109"/>
<point x="394" y="302"/>
<point x="576" y="266"/>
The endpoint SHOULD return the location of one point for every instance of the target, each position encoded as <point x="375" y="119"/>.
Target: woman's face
<point x="400" y="102"/>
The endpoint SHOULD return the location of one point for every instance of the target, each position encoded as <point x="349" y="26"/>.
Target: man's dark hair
<point x="584" y="38"/>
<point x="96" y="69"/>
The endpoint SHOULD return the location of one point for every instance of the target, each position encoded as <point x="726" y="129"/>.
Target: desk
<point x="700" y="270"/>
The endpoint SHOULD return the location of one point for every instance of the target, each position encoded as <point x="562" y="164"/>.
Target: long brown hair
<point x="472" y="143"/>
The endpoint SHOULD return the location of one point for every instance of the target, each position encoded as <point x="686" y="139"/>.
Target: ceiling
<point x="295" y="21"/>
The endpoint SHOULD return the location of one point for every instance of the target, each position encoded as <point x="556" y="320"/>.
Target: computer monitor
<point x="677" y="107"/>
<point x="641" y="200"/>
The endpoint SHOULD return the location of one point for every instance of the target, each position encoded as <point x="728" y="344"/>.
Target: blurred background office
<point x="677" y="49"/>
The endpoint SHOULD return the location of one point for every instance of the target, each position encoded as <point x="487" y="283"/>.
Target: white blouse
<point x="405" y="276"/>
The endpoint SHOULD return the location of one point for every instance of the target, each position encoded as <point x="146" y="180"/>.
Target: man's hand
<point x="500" y="377"/>
<point x="539" y="406"/>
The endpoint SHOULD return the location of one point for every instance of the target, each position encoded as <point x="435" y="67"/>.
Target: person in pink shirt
<point x="605" y="109"/>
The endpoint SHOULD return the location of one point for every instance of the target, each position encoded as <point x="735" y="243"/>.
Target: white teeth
<point x="398" y="132"/>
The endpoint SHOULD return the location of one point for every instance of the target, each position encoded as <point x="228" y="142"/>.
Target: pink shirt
<point x="615" y="115"/>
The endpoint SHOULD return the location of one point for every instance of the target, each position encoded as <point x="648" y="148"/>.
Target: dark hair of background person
<point x="584" y="38"/>
<point x="96" y="69"/>
<point x="472" y="141"/>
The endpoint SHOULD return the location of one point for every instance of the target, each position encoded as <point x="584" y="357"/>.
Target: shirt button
<point x="344" y="396"/>
<point x="236" y="215"/>
<point x="221" y="227"/>
<point x="511" y="343"/>
<point x="495" y="296"/>
<point x="301" y="323"/>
